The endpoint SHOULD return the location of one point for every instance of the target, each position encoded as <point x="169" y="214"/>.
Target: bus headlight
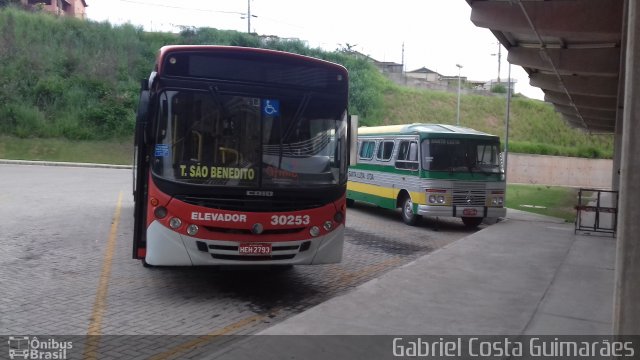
<point x="436" y="199"/>
<point x="314" y="231"/>
<point x="175" y="223"/>
<point x="192" y="229"/>
<point x="497" y="201"/>
<point x="328" y="225"/>
<point x="160" y="212"/>
<point x="257" y="228"/>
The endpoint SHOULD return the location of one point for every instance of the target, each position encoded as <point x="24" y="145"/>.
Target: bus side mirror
<point x="144" y="85"/>
<point x="143" y="107"/>
<point x="353" y="140"/>
<point x="141" y="118"/>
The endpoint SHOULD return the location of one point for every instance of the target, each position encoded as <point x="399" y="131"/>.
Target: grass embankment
<point x="66" y="78"/>
<point x="118" y="152"/>
<point x="534" y="128"/>
<point x="553" y="201"/>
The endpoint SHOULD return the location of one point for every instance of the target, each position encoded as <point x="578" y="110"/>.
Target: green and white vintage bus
<point x="429" y="170"/>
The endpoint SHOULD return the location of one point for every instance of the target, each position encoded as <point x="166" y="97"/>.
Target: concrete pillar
<point x="617" y="151"/>
<point x="617" y="134"/>
<point x="626" y="314"/>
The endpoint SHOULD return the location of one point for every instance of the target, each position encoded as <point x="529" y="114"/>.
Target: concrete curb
<point x="68" y="164"/>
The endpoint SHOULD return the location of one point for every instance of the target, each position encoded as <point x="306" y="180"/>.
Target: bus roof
<point x="405" y="129"/>
<point x="167" y="49"/>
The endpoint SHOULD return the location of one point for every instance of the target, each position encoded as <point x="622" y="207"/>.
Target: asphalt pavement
<point x="526" y="275"/>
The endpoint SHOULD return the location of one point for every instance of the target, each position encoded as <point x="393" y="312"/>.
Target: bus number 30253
<point x="290" y="220"/>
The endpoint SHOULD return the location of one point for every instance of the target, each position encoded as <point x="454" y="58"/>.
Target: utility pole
<point x="458" y="111"/>
<point x="499" y="54"/>
<point x="404" y="77"/>
<point x="499" y="58"/>
<point x="506" y="126"/>
<point x="249" y="17"/>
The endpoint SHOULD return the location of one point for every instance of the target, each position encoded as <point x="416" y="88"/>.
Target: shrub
<point x="499" y="89"/>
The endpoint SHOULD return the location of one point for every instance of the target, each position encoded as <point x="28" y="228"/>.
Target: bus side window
<point x="413" y="151"/>
<point x="407" y="157"/>
<point x="366" y="149"/>
<point x="385" y="150"/>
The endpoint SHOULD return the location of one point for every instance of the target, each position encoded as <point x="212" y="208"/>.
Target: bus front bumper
<point x="168" y="248"/>
<point x="462" y="211"/>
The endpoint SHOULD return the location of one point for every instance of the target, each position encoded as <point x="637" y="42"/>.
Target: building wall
<point x="559" y="170"/>
<point x="431" y="77"/>
<point x="76" y="9"/>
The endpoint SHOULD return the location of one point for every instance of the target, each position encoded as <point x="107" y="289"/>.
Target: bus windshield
<point x="245" y="140"/>
<point x="461" y="155"/>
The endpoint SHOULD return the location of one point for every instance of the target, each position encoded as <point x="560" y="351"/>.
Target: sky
<point x="437" y="34"/>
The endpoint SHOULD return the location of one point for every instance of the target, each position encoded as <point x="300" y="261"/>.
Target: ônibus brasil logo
<point x="24" y="347"/>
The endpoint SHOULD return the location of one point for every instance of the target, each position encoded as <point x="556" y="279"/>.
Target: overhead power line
<point x="183" y="8"/>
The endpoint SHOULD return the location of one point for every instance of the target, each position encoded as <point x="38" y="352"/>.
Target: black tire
<point x="350" y="202"/>
<point x="145" y="264"/>
<point x="472" y="222"/>
<point x="408" y="216"/>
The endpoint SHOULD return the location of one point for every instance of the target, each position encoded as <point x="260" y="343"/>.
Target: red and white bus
<point x="241" y="157"/>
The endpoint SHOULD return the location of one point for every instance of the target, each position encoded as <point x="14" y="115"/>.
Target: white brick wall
<point x="559" y="170"/>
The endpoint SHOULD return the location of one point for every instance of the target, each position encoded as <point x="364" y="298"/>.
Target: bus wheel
<point x="472" y="222"/>
<point x="408" y="216"/>
<point x="350" y="202"/>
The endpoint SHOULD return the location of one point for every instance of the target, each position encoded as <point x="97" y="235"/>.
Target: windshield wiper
<point x="470" y="167"/>
<point x="213" y="90"/>
<point x="296" y="117"/>
<point x="481" y="169"/>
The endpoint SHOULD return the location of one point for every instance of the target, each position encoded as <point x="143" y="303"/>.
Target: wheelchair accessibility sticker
<point x="271" y="107"/>
<point x="162" y="150"/>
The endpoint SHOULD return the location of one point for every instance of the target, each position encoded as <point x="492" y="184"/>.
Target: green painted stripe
<point x="372" y="199"/>
<point x="383" y="168"/>
<point x="377" y="190"/>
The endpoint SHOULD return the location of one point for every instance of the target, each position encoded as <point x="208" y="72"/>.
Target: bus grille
<point x="252" y="258"/>
<point x="278" y="251"/>
<point x="248" y="231"/>
<point x="469" y="194"/>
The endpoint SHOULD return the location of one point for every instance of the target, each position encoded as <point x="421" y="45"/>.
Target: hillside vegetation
<point x="78" y="80"/>
<point x="534" y="126"/>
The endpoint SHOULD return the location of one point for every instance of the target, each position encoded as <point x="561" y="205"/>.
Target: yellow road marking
<point x="100" y="304"/>
<point x="204" y="339"/>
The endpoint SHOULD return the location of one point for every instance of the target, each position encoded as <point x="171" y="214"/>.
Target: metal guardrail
<point x="597" y="214"/>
